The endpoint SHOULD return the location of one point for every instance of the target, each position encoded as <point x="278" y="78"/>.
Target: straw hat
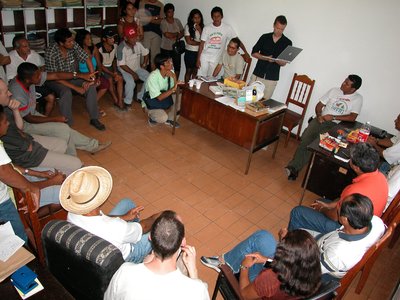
<point x="85" y="189"/>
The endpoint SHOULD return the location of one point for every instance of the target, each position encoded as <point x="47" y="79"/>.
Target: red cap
<point x="130" y="32"/>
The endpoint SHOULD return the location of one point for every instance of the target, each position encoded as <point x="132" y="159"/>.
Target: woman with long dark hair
<point x="84" y="39"/>
<point x="192" y="33"/>
<point x="128" y="18"/>
<point x="290" y="269"/>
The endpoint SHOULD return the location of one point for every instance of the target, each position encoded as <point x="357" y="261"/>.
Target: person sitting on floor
<point x="339" y="250"/>
<point x="160" y="86"/>
<point x="336" y="105"/>
<point x="108" y="51"/>
<point x="287" y="270"/>
<point x="129" y="53"/>
<point x="168" y="239"/>
<point x="23" y="90"/>
<point x="323" y="216"/>
<point x="64" y="56"/>
<point x="32" y="151"/>
<point x="82" y="194"/>
<point x="23" y="53"/>
<point x="231" y="61"/>
<point x="388" y="148"/>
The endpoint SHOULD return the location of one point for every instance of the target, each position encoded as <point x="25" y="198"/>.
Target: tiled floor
<point x="200" y="175"/>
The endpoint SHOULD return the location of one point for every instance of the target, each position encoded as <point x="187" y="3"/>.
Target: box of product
<point x="235" y="83"/>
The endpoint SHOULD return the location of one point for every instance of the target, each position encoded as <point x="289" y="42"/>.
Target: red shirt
<point x="267" y="286"/>
<point x="373" y="185"/>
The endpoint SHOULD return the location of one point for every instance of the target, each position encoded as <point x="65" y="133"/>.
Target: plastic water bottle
<point x="364" y="132"/>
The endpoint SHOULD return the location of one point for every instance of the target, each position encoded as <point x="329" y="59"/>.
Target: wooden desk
<point x="244" y="129"/>
<point x="52" y="288"/>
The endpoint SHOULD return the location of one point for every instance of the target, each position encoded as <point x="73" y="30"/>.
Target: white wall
<point x="338" y="38"/>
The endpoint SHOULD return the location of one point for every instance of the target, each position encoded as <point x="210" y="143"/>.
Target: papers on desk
<point x="228" y="101"/>
<point x="13" y="255"/>
<point x="9" y="242"/>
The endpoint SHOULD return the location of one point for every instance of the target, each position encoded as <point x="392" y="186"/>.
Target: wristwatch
<point x="243" y="267"/>
<point x="74" y="74"/>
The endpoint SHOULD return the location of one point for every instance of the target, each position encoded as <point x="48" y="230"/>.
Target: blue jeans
<point x="8" y="212"/>
<point x="143" y="247"/>
<point x="261" y="241"/>
<point x="130" y="84"/>
<point x="48" y="195"/>
<point x="308" y="218"/>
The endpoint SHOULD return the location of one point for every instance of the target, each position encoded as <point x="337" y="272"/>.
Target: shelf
<point x="22" y="8"/>
<point x="101" y="6"/>
<point x="33" y="27"/>
<point x="12" y="29"/>
<point x="64" y="7"/>
<point x="27" y="20"/>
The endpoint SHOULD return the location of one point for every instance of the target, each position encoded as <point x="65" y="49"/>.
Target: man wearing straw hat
<point x="82" y="194"/>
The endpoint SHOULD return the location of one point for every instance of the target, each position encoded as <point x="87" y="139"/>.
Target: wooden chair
<point x="227" y="284"/>
<point x="389" y="215"/>
<point x="299" y="95"/>
<point x="35" y="221"/>
<point x="246" y="68"/>
<point x="364" y="265"/>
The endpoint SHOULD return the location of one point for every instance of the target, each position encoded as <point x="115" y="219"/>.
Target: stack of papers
<point x="230" y="102"/>
<point x="12" y="254"/>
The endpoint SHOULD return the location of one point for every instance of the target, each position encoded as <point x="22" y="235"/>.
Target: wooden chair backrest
<point x="35" y="221"/>
<point x="367" y="260"/>
<point x="300" y="92"/>
<point x="392" y="211"/>
<point x="246" y="68"/>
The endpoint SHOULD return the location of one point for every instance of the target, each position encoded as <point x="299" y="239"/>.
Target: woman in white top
<point x="193" y="30"/>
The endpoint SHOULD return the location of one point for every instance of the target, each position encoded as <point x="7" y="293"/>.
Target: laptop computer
<point x="288" y="55"/>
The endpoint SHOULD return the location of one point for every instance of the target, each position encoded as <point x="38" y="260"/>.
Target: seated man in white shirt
<point x="338" y="104"/>
<point x="82" y="194"/>
<point x="160" y="278"/>
<point x="231" y="61"/>
<point x="23" y="53"/>
<point x="388" y="148"/>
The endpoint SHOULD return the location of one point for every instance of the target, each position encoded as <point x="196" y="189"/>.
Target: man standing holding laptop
<point x="267" y="48"/>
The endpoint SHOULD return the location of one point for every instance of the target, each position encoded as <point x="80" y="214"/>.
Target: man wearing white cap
<point x="82" y="194"/>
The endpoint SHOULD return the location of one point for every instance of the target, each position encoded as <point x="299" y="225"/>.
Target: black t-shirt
<point x="266" y="46"/>
<point x="16" y="143"/>
<point x="155" y="10"/>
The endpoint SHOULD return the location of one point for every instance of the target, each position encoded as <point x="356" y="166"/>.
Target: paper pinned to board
<point x="9" y="242"/>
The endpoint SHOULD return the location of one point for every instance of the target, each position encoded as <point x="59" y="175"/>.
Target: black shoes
<point x="96" y="123"/>
<point x="291" y="173"/>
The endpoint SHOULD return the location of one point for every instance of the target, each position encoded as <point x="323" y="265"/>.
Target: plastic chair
<point x="227" y="284"/>
<point x="299" y="95"/>
<point x="35" y="221"/>
<point x="246" y="68"/>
